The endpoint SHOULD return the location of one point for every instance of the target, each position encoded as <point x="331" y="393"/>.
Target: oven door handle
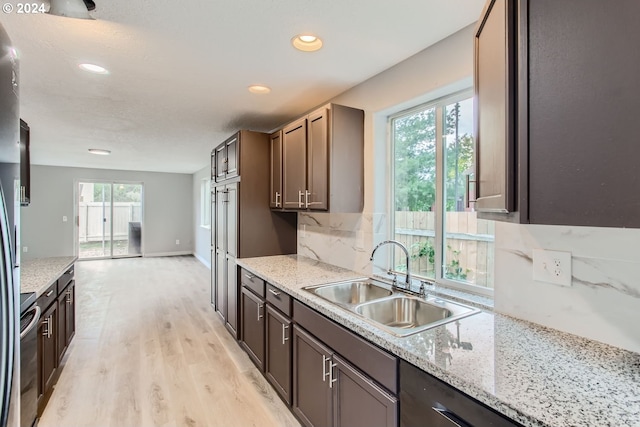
<point x="33" y="323"/>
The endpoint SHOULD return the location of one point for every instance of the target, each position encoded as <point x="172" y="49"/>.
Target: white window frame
<point x="440" y="104"/>
<point x="205" y="203"/>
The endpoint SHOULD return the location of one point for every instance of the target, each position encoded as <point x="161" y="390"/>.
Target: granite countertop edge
<point x="387" y="341"/>
<point x="40" y="273"/>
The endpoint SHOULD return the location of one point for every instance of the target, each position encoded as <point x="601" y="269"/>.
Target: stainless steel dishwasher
<point x="29" y="317"/>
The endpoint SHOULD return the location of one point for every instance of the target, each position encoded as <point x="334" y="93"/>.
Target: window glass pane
<point x="414" y="137"/>
<point x="468" y="243"/>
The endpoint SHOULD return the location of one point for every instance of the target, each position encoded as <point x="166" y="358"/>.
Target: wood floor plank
<point x="150" y="351"/>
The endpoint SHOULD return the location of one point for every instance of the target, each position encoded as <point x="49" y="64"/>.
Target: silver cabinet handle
<point x="48" y="322"/>
<point x="34" y="321"/>
<point x="300" y="204"/>
<point x="260" y="307"/>
<point x="249" y="276"/>
<point x="467" y="191"/>
<point x="451" y="417"/>
<point x="69" y="297"/>
<point x="307" y="193"/>
<point x="325" y="374"/>
<point x="277" y="199"/>
<point x="274" y="293"/>
<point x="49" y="293"/>
<point x="284" y="337"/>
<point x="331" y="379"/>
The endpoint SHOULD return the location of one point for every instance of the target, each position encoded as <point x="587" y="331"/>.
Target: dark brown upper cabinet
<point x="556" y="97"/>
<point x="225" y="159"/>
<point x="275" y="181"/>
<point x="322" y="161"/>
<point x="25" y="164"/>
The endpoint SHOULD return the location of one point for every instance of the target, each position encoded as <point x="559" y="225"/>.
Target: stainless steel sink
<point x="393" y="311"/>
<point x="352" y="292"/>
<point x="404" y="315"/>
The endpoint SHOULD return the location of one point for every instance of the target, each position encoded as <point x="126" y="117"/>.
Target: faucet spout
<point x="406" y="253"/>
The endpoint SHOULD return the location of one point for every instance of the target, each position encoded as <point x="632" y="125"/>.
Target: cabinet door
<point x="232" y="157"/>
<point x="47" y="353"/>
<point x="232" y="296"/>
<point x="275" y="183"/>
<point x="353" y="391"/>
<point x="294" y="164"/>
<point x="311" y="393"/>
<point x="278" y="357"/>
<point x="70" y="300"/>
<point x="494" y="83"/>
<point x="221" y="162"/>
<point x="318" y="160"/>
<point x="61" y="324"/>
<point x="221" y="283"/>
<point x="252" y="324"/>
<point x="232" y="219"/>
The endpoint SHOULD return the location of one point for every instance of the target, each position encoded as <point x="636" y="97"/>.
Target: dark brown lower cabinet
<point x="311" y="393"/>
<point x="47" y="350"/>
<point x="66" y="319"/>
<point x="278" y="352"/>
<point x="252" y="309"/>
<point x="329" y="391"/>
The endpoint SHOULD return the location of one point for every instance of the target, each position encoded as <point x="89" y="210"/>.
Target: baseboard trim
<point x="202" y="260"/>
<point x="160" y="254"/>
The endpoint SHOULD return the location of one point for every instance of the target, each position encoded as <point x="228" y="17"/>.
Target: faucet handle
<point x="395" y="276"/>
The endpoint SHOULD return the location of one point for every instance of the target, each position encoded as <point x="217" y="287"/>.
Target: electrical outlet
<point x="552" y="267"/>
<point x="25" y="249"/>
<point x="177" y="242"/>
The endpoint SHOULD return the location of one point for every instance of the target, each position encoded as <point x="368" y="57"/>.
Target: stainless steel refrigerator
<point x="9" y="234"/>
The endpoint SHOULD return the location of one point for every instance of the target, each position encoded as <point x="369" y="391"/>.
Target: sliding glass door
<point x="109" y="219"/>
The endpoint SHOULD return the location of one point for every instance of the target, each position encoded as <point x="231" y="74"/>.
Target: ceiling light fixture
<point x="259" y="89"/>
<point x="72" y="8"/>
<point x="93" y="68"/>
<point x="306" y="42"/>
<point x="99" y="151"/>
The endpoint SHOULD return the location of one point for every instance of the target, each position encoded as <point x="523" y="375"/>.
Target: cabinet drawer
<point x="253" y="282"/>
<point x="65" y="279"/>
<point x="279" y="299"/>
<point x="48" y="296"/>
<point x="375" y="362"/>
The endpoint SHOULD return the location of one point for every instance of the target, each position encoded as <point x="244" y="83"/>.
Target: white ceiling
<point x="179" y="71"/>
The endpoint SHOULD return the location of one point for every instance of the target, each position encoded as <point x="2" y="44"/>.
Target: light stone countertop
<point x="36" y="275"/>
<point x="535" y="375"/>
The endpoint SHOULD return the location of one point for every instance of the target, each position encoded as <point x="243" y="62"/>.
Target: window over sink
<point x="432" y="211"/>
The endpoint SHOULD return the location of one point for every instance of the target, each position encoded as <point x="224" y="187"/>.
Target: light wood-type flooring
<point x="150" y="351"/>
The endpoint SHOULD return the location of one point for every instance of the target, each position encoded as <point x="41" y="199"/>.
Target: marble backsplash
<point x="345" y="240"/>
<point x="603" y="302"/>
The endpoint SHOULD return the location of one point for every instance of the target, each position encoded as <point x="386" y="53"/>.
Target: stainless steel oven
<point x="28" y="360"/>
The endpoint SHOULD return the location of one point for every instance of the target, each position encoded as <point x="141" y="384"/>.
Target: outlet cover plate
<point x="552" y="267"/>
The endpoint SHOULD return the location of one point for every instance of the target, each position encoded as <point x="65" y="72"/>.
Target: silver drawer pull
<point x="49" y="293"/>
<point x="274" y="293"/>
<point x="249" y="276"/>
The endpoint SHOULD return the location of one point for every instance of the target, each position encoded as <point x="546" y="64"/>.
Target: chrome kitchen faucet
<point x="406" y="252"/>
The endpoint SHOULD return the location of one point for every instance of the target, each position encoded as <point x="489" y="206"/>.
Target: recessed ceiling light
<point x="99" y="151"/>
<point x="259" y="89"/>
<point x="306" y="42"/>
<point x="93" y="68"/>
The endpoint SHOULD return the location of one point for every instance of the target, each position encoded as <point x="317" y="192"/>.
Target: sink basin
<point x="404" y="315"/>
<point x="351" y="293"/>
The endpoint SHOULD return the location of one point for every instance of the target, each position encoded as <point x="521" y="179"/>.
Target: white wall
<point x="202" y="235"/>
<point x="168" y="210"/>
<point x="604" y="300"/>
